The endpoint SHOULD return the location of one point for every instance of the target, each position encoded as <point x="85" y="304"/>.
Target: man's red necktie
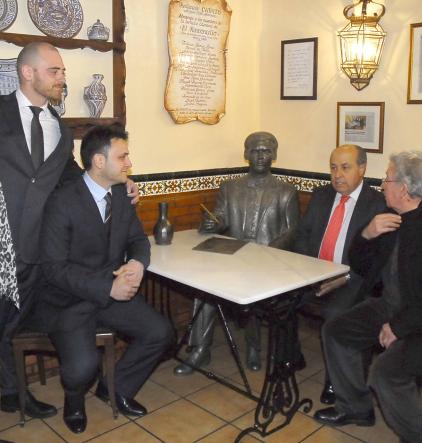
<point x="329" y="241"/>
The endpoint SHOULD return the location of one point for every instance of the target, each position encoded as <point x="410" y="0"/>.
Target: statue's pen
<point x="211" y="215"/>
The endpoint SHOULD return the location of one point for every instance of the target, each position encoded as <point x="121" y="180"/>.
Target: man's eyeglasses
<point x="386" y="180"/>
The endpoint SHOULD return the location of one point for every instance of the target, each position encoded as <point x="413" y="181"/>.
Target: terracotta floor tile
<point x="34" y="431"/>
<point x="128" y="433"/>
<point x="223" y="362"/>
<point x="180" y="422"/>
<point x="319" y="376"/>
<point x="312" y="342"/>
<point x="175" y="420"/>
<point x="180" y="385"/>
<point x="153" y="396"/>
<point x="227" y="434"/>
<point x="255" y="379"/>
<point x="380" y="433"/>
<point x="52" y="392"/>
<point x="305" y="329"/>
<point x="223" y="402"/>
<point x="300" y="427"/>
<point x="314" y="362"/>
<point x="8" y="419"/>
<point x="165" y="364"/>
<point x="312" y="389"/>
<point x="331" y="435"/>
<point x="238" y="334"/>
<point x="100" y="420"/>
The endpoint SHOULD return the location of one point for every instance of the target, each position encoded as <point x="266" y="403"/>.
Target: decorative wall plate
<point x="57" y="18"/>
<point x="8" y="13"/>
<point x="8" y="76"/>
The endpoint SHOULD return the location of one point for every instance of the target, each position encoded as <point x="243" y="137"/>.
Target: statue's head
<point x="260" y="151"/>
<point x="261" y="139"/>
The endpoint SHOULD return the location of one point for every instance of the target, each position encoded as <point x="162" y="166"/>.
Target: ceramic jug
<point x="163" y="230"/>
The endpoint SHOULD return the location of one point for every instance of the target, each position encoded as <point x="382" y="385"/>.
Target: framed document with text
<point x="414" y="86"/>
<point x="361" y="123"/>
<point x="299" y="63"/>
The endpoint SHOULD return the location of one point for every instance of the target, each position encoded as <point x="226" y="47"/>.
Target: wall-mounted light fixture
<point x="361" y="41"/>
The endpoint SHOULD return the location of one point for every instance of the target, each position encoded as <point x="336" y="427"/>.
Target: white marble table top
<point x="251" y="274"/>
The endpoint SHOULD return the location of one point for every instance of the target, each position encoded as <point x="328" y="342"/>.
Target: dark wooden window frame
<point x="81" y="125"/>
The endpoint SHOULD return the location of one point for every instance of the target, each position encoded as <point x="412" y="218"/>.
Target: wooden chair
<point x="27" y="341"/>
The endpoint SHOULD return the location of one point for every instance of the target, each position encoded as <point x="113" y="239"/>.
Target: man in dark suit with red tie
<point x="335" y="214"/>
<point x="387" y="250"/>
<point x="94" y="253"/>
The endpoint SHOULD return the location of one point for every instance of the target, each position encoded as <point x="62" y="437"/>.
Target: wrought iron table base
<point x="280" y="393"/>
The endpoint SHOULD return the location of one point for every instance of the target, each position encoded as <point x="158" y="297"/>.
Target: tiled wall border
<point x="189" y="181"/>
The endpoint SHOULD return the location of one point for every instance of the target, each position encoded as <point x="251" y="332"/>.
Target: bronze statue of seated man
<point x="257" y="207"/>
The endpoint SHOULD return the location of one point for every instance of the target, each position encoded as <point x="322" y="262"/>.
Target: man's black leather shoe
<point x="33" y="407"/>
<point x="74" y="413"/>
<point x="129" y="406"/>
<point x="200" y="356"/>
<point x="328" y="397"/>
<point x="253" y="359"/>
<point x="125" y="405"/>
<point x="332" y="417"/>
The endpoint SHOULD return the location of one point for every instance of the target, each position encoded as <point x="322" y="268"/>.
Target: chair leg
<point x="41" y="369"/>
<point x="110" y="363"/>
<point x="21" y="376"/>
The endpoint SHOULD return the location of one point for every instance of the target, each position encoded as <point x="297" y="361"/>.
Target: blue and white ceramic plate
<point x="8" y="76"/>
<point x="57" y="18"/>
<point x="8" y="13"/>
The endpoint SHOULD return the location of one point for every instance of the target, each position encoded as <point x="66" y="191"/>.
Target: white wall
<point x="307" y="129"/>
<point x="158" y="144"/>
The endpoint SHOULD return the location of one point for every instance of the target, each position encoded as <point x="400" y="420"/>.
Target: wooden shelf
<point x="80" y="126"/>
<point x="63" y="43"/>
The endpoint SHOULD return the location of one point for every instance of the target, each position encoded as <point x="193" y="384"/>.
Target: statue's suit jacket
<point x="278" y="213"/>
<point x="79" y="253"/>
<point x="312" y="228"/>
<point x="26" y="189"/>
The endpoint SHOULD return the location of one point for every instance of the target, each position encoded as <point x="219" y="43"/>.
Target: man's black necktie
<point x="37" y="138"/>
<point x="107" y="213"/>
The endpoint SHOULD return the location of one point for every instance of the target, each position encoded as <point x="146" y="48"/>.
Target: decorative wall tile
<point x="189" y="181"/>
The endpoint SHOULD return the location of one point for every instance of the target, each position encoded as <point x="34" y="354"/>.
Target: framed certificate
<point x="299" y="63"/>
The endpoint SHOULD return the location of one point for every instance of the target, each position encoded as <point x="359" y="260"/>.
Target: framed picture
<point x="299" y="65"/>
<point x="361" y="123"/>
<point x="414" y="85"/>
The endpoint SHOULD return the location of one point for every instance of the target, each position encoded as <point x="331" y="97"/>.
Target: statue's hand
<point x="209" y="225"/>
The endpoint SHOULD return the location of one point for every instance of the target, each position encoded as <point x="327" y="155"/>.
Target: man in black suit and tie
<point x="35" y="156"/>
<point x="94" y="253"/>
<point x="335" y="214"/>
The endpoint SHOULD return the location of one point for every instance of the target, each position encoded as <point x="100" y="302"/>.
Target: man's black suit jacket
<point x="79" y="254"/>
<point x="26" y="189"/>
<point x="368" y="258"/>
<point x="313" y="225"/>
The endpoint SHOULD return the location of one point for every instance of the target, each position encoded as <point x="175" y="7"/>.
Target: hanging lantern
<point x="361" y="42"/>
